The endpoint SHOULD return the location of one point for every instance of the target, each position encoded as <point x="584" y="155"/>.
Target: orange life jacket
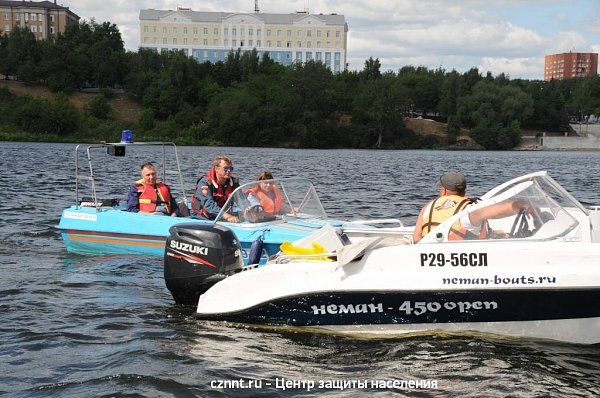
<point x="271" y="205"/>
<point x="151" y="196"/>
<point x="458" y="232"/>
<point x="442" y="209"/>
<point x="220" y="193"/>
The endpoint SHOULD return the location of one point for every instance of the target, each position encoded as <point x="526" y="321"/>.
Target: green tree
<point x="60" y="117"/>
<point x="99" y="107"/>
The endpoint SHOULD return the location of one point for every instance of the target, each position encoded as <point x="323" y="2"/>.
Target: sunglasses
<point x="228" y="168"/>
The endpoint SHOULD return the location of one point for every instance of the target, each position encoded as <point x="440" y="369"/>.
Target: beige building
<point x="44" y="18"/>
<point x="211" y="36"/>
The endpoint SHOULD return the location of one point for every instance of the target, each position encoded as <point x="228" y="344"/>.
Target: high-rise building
<point x="43" y="18"/>
<point x="211" y="36"/>
<point x="569" y="65"/>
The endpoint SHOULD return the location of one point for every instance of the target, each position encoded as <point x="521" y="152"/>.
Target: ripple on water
<point x="106" y="325"/>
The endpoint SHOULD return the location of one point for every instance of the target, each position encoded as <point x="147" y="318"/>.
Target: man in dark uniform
<point x="213" y="190"/>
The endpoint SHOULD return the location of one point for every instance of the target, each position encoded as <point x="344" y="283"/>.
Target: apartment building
<point x="569" y="65"/>
<point x="211" y="36"/>
<point x="44" y="18"/>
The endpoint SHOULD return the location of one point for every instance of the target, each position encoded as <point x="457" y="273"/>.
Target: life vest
<point x="458" y="232"/>
<point x="220" y="193"/>
<point x="442" y="209"/>
<point x="271" y="205"/>
<point x="151" y="196"/>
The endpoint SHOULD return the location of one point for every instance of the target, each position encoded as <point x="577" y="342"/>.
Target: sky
<point x="500" y="36"/>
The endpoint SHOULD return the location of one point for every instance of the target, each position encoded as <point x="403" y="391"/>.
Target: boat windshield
<point x="530" y="207"/>
<point x="269" y="200"/>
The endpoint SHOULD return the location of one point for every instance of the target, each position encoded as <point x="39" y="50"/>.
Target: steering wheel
<point x="520" y="227"/>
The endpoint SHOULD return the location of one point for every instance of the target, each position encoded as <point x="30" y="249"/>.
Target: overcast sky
<point x="510" y="36"/>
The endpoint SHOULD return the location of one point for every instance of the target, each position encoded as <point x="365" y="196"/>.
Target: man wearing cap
<point x="452" y="199"/>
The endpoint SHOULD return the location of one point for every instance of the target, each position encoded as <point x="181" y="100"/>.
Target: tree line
<point x="248" y="100"/>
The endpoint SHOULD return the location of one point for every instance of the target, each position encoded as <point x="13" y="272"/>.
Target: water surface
<point x="106" y="326"/>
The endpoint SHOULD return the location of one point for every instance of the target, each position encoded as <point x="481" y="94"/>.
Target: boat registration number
<point x="454" y="259"/>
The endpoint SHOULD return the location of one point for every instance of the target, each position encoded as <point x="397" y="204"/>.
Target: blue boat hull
<point x="86" y="230"/>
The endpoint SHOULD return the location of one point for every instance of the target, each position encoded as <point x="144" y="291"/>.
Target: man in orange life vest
<point x="147" y="195"/>
<point x="213" y="190"/>
<point x="452" y="199"/>
<point x="266" y="195"/>
<point x="473" y="225"/>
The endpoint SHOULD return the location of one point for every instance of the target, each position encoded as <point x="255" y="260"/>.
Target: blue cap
<point x="126" y="137"/>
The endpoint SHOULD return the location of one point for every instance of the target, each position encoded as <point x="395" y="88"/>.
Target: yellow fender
<point x="292" y="250"/>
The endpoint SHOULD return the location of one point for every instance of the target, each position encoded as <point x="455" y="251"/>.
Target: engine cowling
<point x="197" y="256"/>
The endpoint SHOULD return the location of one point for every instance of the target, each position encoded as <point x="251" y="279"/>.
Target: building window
<point x="309" y="44"/>
<point x="52" y="30"/>
<point x="164" y="30"/>
<point x="258" y="31"/>
<point x="146" y="29"/>
<point x="288" y="44"/>
<point x="5" y="16"/>
<point x="318" y="44"/>
<point x="195" y="31"/>
<point x="40" y="28"/>
<point x="26" y="16"/>
<point x="185" y="42"/>
<point x="233" y="43"/>
<point x="318" y="33"/>
<point x="250" y="31"/>
<point x="195" y="41"/>
<point x="299" y="33"/>
<point x="34" y="29"/>
<point x="309" y="33"/>
<point x="289" y="33"/>
<point x="185" y="30"/>
<point x="233" y="31"/>
<point x="174" y="31"/>
<point x="205" y="42"/>
<point x="337" y="33"/>
<point x="327" y="33"/>
<point x="318" y="56"/>
<point x="299" y="56"/>
<point x="164" y="40"/>
<point x="249" y="43"/>
<point x="299" y="44"/>
<point x="278" y="32"/>
<point x="216" y="31"/>
<point x="33" y="16"/>
<point x="268" y="32"/>
<point x="257" y="43"/>
<point x="241" y="43"/>
<point x="205" y="31"/>
<point x="174" y="40"/>
<point x="309" y="56"/>
<point x="225" y="31"/>
<point x="278" y="43"/>
<point x="268" y="43"/>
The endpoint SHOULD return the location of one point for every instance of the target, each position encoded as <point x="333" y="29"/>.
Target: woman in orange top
<point x="267" y="195"/>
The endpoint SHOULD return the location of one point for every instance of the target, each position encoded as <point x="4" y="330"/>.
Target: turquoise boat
<point x="96" y="226"/>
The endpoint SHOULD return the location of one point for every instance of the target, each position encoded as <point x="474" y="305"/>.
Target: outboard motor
<point x="197" y="256"/>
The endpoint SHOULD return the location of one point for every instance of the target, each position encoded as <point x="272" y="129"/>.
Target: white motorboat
<point x="538" y="276"/>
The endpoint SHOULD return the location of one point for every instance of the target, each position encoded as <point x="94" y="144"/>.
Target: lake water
<point x="106" y="326"/>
